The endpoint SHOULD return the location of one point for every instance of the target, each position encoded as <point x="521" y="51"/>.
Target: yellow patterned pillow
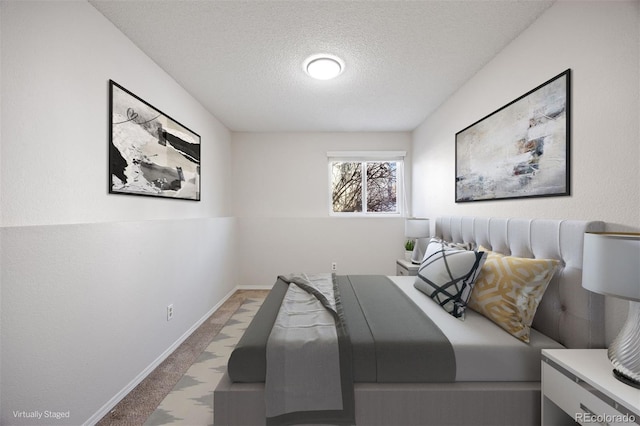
<point x="509" y="289"/>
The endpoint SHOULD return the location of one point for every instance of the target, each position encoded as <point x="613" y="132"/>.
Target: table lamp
<point x="417" y="228"/>
<point x="611" y="266"/>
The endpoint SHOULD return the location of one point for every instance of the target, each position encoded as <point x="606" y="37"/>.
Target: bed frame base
<point x="462" y="403"/>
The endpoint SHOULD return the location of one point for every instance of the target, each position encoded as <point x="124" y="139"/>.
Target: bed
<point x="492" y="385"/>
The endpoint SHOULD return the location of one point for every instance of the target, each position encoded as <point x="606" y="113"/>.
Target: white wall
<point x="282" y="208"/>
<point x="86" y="276"/>
<point x="600" y="42"/>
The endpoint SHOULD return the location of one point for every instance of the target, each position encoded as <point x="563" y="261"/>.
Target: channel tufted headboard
<point x="568" y="313"/>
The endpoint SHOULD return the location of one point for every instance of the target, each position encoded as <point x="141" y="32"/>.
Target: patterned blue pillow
<point x="447" y="275"/>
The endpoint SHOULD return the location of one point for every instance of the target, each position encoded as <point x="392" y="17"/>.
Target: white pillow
<point x="447" y="275"/>
<point x="452" y="245"/>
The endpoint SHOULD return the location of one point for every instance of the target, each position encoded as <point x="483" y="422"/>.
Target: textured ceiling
<point x="243" y="59"/>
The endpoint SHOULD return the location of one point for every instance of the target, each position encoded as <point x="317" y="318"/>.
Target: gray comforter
<point x="391" y="339"/>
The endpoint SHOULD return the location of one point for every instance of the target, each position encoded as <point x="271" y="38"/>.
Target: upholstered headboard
<point x="568" y="313"/>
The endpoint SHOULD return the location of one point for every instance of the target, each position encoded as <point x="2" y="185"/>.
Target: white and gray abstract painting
<point x="521" y="150"/>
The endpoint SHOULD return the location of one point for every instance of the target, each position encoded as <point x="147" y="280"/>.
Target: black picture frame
<point x="150" y="153"/>
<point x="521" y="150"/>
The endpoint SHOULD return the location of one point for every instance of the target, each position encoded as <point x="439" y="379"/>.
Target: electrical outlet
<point x="334" y="266"/>
<point x="169" y="312"/>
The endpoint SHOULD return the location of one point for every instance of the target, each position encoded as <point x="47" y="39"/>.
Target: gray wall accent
<point x="84" y="306"/>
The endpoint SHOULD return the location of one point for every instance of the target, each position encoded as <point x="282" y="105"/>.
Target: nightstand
<point x="405" y="267"/>
<point x="577" y="385"/>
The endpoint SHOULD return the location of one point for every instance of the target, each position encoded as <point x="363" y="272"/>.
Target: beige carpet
<point x="180" y="390"/>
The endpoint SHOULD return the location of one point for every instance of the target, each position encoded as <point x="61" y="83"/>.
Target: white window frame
<point x="368" y="156"/>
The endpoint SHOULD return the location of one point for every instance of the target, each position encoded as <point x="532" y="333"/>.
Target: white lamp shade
<point x="417" y="228"/>
<point x="611" y="264"/>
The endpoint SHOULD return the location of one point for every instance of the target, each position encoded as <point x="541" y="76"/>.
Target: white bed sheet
<point x="483" y="351"/>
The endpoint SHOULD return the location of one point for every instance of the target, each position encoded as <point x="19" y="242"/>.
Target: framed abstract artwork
<point x="521" y="150"/>
<point x="150" y="153"/>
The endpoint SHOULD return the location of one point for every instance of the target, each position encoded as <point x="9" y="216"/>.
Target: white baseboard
<point x="254" y="287"/>
<point x="95" y="418"/>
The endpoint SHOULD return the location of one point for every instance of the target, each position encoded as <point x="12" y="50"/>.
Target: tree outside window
<point x="367" y="187"/>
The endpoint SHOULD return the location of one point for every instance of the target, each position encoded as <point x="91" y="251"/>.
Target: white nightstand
<point x="577" y="385"/>
<point x="405" y="267"/>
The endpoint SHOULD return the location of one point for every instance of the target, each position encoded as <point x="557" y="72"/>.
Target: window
<point x="368" y="183"/>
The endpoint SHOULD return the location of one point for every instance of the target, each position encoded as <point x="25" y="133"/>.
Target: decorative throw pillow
<point x="509" y="289"/>
<point x="452" y="245"/>
<point x="447" y="275"/>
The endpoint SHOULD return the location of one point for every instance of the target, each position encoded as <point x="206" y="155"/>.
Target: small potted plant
<point x="408" y="249"/>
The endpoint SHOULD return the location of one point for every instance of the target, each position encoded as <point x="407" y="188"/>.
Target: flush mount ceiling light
<point x="323" y="67"/>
